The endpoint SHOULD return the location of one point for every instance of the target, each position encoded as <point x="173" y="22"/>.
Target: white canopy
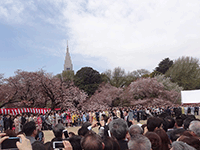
<point x="190" y="96"/>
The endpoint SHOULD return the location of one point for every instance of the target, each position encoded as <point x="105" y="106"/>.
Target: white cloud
<point x="15" y="11"/>
<point x="132" y="34"/>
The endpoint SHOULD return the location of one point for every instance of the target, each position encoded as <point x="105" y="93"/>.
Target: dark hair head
<point x="163" y="115"/>
<point x="175" y="134"/>
<point x="153" y="122"/>
<point x="47" y="146"/>
<point x="192" y="141"/>
<point x="191" y="116"/>
<point x="171" y="121"/>
<point x="86" y="124"/>
<point x="155" y="140"/>
<point x="183" y="116"/>
<point x="105" y="118"/>
<point x="186" y="122"/>
<point x="179" y="121"/>
<point x="10" y="133"/>
<point x="82" y="131"/>
<point x="143" y="126"/>
<point x="187" y="133"/>
<point x="71" y="134"/>
<point x="110" y="143"/>
<point x="75" y="141"/>
<point x="28" y="128"/>
<point x="38" y="146"/>
<point x="165" y="124"/>
<point x="164" y="139"/>
<point x="58" y="130"/>
<point x="91" y="141"/>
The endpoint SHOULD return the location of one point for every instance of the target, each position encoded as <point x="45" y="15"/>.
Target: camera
<point x="58" y="144"/>
<point x="10" y="143"/>
<point x="65" y="132"/>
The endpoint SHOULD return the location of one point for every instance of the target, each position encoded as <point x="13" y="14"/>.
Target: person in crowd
<point x="139" y="142"/>
<point x="37" y="145"/>
<point x="190" y="140"/>
<point x="70" y="134"/>
<point x="39" y="122"/>
<point x="130" y="118"/>
<point x="75" y="142"/>
<point x="153" y="123"/>
<point x="135" y="130"/>
<point x="187" y="121"/>
<point x="47" y="123"/>
<point x="118" y="113"/>
<point x="31" y="118"/>
<point x="110" y="143"/>
<point x="1" y="124"/>
<point x="92" y="141"/>
<point x="30" y="131"/>
<point x="196" y="110"/>
<point x="58" y="130"/>
<point x="68" y="118"/>
<point x="119" y="129"/>
<point x="35" y="119"/>
<point x="176" y="133"/>
<point x="23" y="119"/>
<point x="164" y="139"/>
<point x="17" y="123"/>
<point x="57" y="117"/>
<point x="7" y="122"/>
<point x="155" y="140"/>
<point x="10" y="133"/>
<point x="179" y="145"/>
<point x="52" y="119"/>
<point x="84" y="117"/>
<point x="195" y="127"/>
<point x="11" y="121"/>
<point x="40" y="137"/>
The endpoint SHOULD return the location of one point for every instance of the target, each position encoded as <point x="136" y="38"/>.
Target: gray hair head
<point x="139" y="142"/>
<point x="134" y="130"/>
<point x="179" y="145"/>
<point x="118" y="128"/>
<point x="195" y="127"/>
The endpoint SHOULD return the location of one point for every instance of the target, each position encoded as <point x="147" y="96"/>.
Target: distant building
<point x="68" y="63"/>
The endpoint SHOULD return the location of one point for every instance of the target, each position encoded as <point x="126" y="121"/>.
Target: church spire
<point x="68" y="63"/>
<point x="67" y="47"/>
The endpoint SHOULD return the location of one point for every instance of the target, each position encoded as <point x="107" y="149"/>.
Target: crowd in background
<point x="174" y="127"/>
<point x="76" y="118"/>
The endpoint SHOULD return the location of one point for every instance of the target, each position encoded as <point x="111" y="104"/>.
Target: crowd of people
<point x="168" y="127"/>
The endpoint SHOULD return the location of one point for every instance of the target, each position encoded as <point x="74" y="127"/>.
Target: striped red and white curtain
<point x="15" y="111"/>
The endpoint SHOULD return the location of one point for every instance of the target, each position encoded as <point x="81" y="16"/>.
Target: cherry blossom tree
<point x="146" y="90"/>
<point x="20" y="89"/>
<point x="63" y="94"/>
<point x="37" y="89"/>
<point x="104" y="97"/>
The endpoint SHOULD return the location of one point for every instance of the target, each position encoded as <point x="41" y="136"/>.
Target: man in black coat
<point x="23" y="119"/>
<point x="7" y="122"/>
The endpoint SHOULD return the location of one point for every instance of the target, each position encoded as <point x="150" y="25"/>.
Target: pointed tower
<point x="68" y="63"/>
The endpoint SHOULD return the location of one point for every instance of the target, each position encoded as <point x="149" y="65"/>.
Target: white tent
<point x="190" y="96"/>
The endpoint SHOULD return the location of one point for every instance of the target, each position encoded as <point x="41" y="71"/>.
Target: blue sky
<point x="101" y="34"/>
